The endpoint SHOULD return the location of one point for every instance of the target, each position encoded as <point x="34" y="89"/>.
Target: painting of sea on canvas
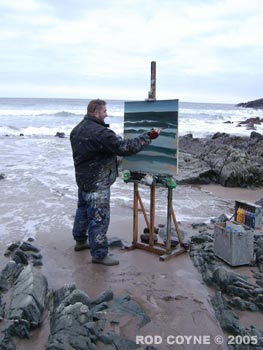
<point x="161" y="156"/>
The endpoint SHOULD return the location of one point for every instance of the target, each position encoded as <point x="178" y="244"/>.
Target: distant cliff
<point x="252" y="104"/>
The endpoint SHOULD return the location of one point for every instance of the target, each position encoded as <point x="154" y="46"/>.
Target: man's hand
<point x="154" y="133"/>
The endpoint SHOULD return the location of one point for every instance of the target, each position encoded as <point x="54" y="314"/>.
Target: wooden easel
<point x="164" y="250"/>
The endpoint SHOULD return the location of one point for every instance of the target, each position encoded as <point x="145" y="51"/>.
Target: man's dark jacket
<point x="95" y="149"/>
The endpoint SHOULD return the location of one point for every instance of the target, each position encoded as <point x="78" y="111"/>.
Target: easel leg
<point x="143" y="211"/>
<point x="135" y="213"/>
<point x="165" y="251"/>
<point x="152" y="216"/>
<point x="176" y="227"/>
<point x="168" y="225"/>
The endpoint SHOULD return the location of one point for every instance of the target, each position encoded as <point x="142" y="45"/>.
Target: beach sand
<point x="172" y="293"/>
<point x="41" y="202"/>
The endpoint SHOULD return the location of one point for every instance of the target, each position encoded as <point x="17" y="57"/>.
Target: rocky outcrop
<point x="76" y="321"/>
<point x="231" y="161"/>
<point x="234" y="292"/>
<point x="60" y="134"/>
<point x="23" y="291"/>
<point x="251" y="123"/>
<point x="252" y="104"/>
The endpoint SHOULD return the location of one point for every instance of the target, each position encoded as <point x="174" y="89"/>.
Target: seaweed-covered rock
<point x="227" y="318"/>
<point x="78" y="323"/>
<point x="28" y="298"/>
<point x="232" y="161"/>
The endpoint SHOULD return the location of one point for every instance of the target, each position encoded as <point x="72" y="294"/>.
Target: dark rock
<point x="256" y="135"/>
<point x="2" y="176"/>
<point x="60" y="294"/>
<point x="194" y="170"/>
<point x="227" y="318"/>
<point x="25" y="246"/>
<point x="258" y="104"/>
<point x="9" y="274"/>
<point x="196" y="225"/>
<point x="243" y="305"/>
<point x="100" y="307"/>
<point x="77" y="296"/>
<point x="18" y="328"/>
<point x="37" y="256"/>
<point x="28" y="299"/>
<point x="107" y="295"/>
<point x="145" y="238"/>
<point x="162" y="233"/>
<point x="251" y="121"/>
<point x="260" y="282"/>
<point x="258" y="300"/>
<point x="232" y="282"/>
<point x="249" y="333"/>
<point x="219" y="134"/>
<point x="241" y="294"/>
<point x="72" y="322"/>
<point x="190" y="145"/>
<point x="76" y="321"/>
<point x="6" y="342"/>
<point x="67" y="320"/>
<point x="221" y="218"/>
<point x="115" y="242"/>
<point x="7" y="253"/>
<point x="13" y="246"/>
<point x="106" y="339"/>
<point x="202" y="238"/>
<point x="60" y="134"/>
<point x="2" y="309"/>
<point x="20" y="257"/>
<point x="146" y="230"/>
<point x="232" y="161"/>
<point x="119" y="342"/>
<point x="17" y="260"/>
<point x="174" y="242"/>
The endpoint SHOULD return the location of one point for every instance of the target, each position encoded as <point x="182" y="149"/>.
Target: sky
<point x="205" y="50"/>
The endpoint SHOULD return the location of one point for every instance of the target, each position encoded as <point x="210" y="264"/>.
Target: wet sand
<point x="171" y="292"/>
<point x="241" y="194"/>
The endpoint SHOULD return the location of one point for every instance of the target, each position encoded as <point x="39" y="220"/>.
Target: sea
<point x="38" y="189"/>
<point x="42" y="117"/>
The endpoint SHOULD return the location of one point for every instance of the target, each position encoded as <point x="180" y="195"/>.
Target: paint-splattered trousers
<point x="92" y="219"/>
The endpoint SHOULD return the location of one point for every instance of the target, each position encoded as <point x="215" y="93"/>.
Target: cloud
<point x="108" y="45"/>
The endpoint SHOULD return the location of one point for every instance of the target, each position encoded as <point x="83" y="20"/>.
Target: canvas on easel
<point x="161" y="156"/>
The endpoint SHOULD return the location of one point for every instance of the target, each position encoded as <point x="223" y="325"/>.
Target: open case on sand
<point x="234" y="243"/>
<point x="234" y="240"/>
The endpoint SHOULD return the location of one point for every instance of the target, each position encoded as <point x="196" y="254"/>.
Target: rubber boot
<point x="81" y="245"/>
<point x="108" y="261"/>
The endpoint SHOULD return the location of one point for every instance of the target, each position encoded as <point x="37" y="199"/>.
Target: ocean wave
<point x="64" y="114"/>
<point x="39" y="113"/>
<point x="34" y="131"/>
<point x="52" y="112"/>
